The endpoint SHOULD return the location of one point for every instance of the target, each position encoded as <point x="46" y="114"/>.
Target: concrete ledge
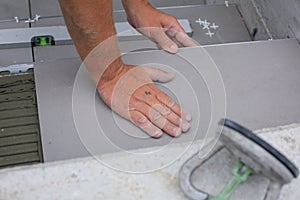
<point x="89" y="179"/>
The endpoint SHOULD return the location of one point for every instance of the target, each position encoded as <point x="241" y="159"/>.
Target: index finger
<point x="181" y="37"/>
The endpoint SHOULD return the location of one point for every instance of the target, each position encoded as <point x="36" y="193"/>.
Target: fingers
<point x="168" y="101"/>
<point x="163" y="76"/>
<point x="185" y="40"/>
<point x="144" y="100"/>
<point x="168" y="122"/>
<point x="162" y="122"/>
<point x="181" y="38"/>
<point x="141" y="121"/>
<point x="170" y="116"/>
<point x="139" y="100"/>
<point x="177" y="33"/>
<point x="159" y="36"/>
<point x="159" y="75"/>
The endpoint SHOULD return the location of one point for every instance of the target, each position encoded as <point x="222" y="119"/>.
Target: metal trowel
<point x="253" y="157"/>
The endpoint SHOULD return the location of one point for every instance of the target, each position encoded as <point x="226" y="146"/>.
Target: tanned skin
<point x="127" y="89"/>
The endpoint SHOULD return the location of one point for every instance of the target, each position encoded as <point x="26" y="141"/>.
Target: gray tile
<point x="13" y="56"/>
<point x="47" y="8"/>
<point x="231" y="26"/>
<point x="232" y="29"/>
<point x="51" y="8"/>
<point x="51" y="21"/>
<point x="261" y="81"/>
<point x="51" y="53"/>
<point x="11" y="8"/>
<point x="162" y="3"/>
<point x="48" y="53"/>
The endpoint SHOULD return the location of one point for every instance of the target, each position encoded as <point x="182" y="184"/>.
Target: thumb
<point x="163" y="41"/>
<point x="159" y="75"/>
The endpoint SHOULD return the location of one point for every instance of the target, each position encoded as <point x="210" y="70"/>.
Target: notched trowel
<point x="252" y="157"/>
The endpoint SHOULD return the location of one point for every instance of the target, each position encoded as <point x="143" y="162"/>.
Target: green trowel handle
<point x="240" y="174"/>
<point x="238" y="178"/>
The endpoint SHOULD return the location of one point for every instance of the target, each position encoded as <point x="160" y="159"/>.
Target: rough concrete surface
<point x="89" y="179"/>
<point x="281" y="17"/>
<point x="275" y="19"/>
<point x="20" y="141"/>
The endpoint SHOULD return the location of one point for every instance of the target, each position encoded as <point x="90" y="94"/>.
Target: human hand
<point x="161" y="28"/>
<point x="133" y="95"/>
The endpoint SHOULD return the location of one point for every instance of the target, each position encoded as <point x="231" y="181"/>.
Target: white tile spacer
<point x="37" y="17"/>
<point x="17" y="19"/>
<point x="206" y="23"/>
<point x="214" y="26"/>
<point x="29" y="21"/>
<point x="205" y="26"/>
<point x="227" y="4"/>
<point x="210" y="34"/>
<point x="199" y="21"/>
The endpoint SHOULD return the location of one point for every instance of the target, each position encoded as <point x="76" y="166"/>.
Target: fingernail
<point x="157" y="134"/>
<point x="187" y="115"/>
<point x="164" y="77"/>
<point x="169" y="76"/>
<point x="177" y="131"/>
<point x="185" y="126"/>
<point x="173" y="48"/>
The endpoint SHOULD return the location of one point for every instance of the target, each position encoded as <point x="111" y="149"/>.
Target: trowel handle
<point x="240" y="175"/>
<point x="185" y="175"/>
<point x="273" y="191"/>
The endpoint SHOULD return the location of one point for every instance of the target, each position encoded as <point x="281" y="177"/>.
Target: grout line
<point x="30" y="13"/>
<point x="30" y="16"/>
<point x="243" y="20"/>
<point x="262" y="19"/>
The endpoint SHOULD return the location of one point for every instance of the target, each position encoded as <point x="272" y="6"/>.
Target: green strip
<point x="238" y="178"/>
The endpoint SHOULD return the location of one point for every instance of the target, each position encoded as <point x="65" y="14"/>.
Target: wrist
<point x="132" y="6"/>
<point x="113" y="71"/>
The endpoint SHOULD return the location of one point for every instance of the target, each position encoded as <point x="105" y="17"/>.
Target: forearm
<point x="127" y="89"/>
<point x="131" y="6"/>
<point x="91" y="26"/>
